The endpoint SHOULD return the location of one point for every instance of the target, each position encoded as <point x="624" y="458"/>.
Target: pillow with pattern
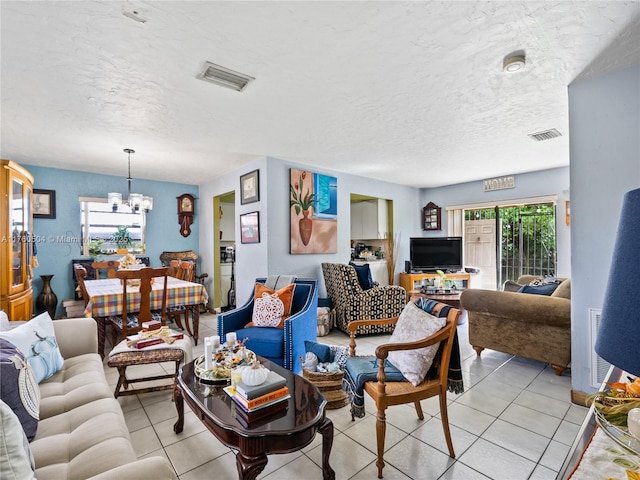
<point x="36" y="340"/>
<point x="414" y="324"/>
<point x="271" y="307"/>
<point x="19" y="388"/>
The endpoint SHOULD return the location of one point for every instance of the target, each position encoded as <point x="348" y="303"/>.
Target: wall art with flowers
<point x="314" y="212"/>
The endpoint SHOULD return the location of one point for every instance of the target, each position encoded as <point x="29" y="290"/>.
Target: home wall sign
<point x="186" y="209"/>
<point x="499" y="183"/>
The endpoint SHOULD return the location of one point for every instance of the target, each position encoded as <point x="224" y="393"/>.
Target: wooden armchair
<point x="184" y="270"/>
<point x="110" y="267"/>
<point x="186" y="255"/>
<point x="137" y="309"/>
<point x="81" y="275"/>
<point x="386" y="392"/>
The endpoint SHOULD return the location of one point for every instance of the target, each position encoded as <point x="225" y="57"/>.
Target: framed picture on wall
<point x="44" y="203"/>
<point x="250" y="227"/>
<point x="250" y="187"/>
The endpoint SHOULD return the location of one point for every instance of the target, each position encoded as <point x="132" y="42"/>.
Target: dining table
<point x="106" y="299"/>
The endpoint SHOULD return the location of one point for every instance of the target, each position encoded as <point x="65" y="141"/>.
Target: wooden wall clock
<point x="431" y="217"/>
<point x="186" y="209"/>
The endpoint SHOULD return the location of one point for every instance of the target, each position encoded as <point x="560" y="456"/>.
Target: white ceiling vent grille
<point x="546" y="135"/>
<point x="224" y="77"/>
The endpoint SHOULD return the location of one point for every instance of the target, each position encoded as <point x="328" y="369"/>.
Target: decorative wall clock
<point x="186" y="209"/>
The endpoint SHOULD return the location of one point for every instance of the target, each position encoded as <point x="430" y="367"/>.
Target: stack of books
<point x="258" y="401"/>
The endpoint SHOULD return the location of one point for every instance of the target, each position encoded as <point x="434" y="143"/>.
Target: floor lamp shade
<point x="618" y="339"/>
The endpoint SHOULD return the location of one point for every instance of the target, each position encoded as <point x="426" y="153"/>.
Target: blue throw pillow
<point x="365" y="279"/>
<point x="323" y="352"/>
<point x="546" y="289"/>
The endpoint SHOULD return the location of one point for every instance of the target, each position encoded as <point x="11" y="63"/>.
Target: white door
<point x="480" y="251"/>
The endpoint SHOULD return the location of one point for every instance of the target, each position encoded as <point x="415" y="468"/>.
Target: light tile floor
<point x="514" y="421"/>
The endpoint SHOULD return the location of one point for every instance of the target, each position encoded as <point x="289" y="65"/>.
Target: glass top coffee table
<point x="283" y="431"/>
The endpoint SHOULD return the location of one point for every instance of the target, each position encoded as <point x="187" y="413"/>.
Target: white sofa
<point x="82" y="433"/>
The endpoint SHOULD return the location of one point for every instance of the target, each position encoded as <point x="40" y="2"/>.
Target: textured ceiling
<point x="408" y="92"/>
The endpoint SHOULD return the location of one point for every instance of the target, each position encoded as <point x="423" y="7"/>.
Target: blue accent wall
<point x="59" y="239"/>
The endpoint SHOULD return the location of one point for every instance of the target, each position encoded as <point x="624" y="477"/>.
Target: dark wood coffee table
<point x="452" y="299"/>
<point x="282" y="432"/>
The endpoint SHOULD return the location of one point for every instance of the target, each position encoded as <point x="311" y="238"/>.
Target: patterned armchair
<point x="351" y="302"/>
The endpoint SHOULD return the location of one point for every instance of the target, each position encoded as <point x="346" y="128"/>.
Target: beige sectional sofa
<point x="82" y="433"/>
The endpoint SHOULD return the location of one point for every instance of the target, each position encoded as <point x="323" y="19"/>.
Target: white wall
<point x="604" y="119"/>
<point x="251" y="258"/>
<point x="406" y="219"/>
<point x="534" y="184"/>
<point x="271" y="256"/>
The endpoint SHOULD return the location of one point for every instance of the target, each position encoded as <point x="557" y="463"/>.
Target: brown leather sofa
<point x="528" y="325"/>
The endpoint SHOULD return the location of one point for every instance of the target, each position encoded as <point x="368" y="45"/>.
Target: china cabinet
<point x="16" y="232"/>
<point x="431" y="217"/>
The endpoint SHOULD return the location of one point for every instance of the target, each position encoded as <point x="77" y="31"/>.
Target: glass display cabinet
<point x="16" y="218"/>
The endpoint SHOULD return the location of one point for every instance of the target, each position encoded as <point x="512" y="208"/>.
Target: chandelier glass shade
<point x="135" y="201"/>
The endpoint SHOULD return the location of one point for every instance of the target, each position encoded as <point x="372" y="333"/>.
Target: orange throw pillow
<point x="270" y="307"/>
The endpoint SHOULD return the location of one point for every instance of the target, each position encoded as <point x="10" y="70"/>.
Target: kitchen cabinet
<point x="225" y="283"/>
<point x="369" y="219"/>
<point x="16" y="225"/>
<point x="227" y="222"/>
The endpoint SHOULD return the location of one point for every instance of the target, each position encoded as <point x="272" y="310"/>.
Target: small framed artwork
<point x="250" y="187"/>
<point x="250" y="227"/>
<point x="44" y="203"/>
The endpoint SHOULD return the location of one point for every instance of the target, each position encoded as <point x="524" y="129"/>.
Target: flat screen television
<point x="429" y="254"/>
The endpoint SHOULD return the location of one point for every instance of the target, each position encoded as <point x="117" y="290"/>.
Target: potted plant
<point x="122" y="237"/>
<point x="302" y="202"/>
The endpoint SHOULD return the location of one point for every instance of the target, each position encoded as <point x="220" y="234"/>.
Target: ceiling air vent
<point x="545" y="135"/>
<point x="224" y="77"/>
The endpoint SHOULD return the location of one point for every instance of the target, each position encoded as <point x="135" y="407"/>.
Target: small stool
<point x="144" y="357"/>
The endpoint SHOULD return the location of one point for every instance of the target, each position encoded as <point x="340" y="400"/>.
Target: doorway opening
<point x="509" y="241"/>
<point x="224" y="244"/>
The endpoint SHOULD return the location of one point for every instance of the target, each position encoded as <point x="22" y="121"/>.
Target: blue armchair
<point x="283" y="346"/>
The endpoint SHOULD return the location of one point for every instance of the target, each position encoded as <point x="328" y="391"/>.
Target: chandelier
<point x="135" y="201"/>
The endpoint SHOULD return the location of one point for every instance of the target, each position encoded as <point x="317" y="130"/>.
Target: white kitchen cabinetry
<point x="369" y="219"/>
<point x="227" y="222"/>
<point x="225" y="283"/>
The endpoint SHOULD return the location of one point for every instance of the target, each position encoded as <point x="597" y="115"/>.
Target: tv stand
<point x="413" y="281"/>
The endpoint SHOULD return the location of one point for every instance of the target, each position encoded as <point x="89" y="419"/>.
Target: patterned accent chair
<point x="351" y="302"/>
<point x="283" y="346"/>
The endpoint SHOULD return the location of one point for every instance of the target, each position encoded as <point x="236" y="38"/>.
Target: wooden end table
<point x="283" y="432"/>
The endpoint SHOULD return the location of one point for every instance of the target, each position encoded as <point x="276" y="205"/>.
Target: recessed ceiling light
<point x="224" y="77"/>
<point x="514" y="62"/>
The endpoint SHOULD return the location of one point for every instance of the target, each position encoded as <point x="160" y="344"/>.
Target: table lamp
<point x="619" y="330"/>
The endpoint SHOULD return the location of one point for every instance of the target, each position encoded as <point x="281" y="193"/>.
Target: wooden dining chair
<point x="386" y="393"/>
<point x="81" y="275"/>
<point x="183" y="270"/>
<point x="186" y="271"/>
<point x="132" y="317"/>
<point x="110" y="266"/>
